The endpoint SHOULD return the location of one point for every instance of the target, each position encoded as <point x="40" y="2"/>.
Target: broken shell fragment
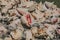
<point x="16" y="34"/>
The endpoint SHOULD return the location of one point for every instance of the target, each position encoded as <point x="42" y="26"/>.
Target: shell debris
<point x="28" y="20"/>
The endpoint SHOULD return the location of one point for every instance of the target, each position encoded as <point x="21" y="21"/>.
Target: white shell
<point x="8" y="38"/>
<point x="28" y="34"/>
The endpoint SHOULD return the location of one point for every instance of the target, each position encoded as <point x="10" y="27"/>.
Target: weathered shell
<point x="16" y="34"/>
<point x="28" y="35"/>
<point x="8" y="38"/>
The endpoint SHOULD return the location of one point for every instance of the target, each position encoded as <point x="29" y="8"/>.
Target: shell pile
<point x="28" y="20"/>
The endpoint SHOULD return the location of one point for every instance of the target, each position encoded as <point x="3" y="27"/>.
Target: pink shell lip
<point x="28" y="19"/>
<point x="58" y="31"/>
